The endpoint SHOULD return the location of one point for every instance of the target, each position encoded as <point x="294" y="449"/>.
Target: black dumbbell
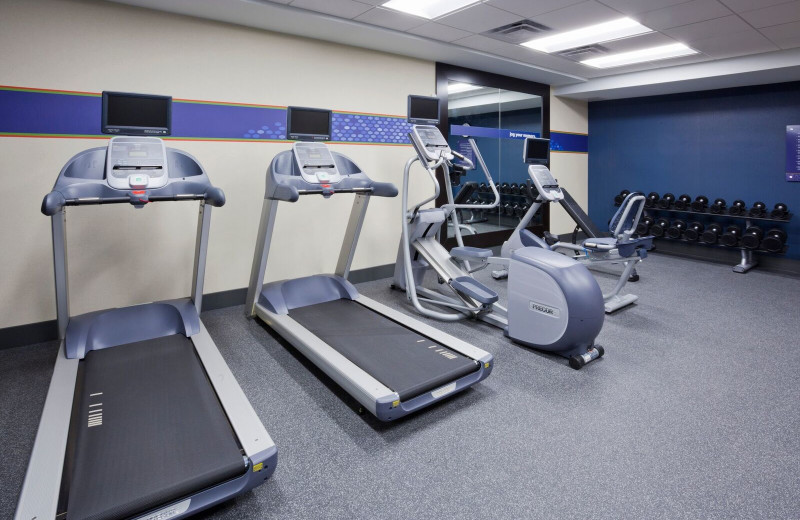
<point x="620" y="197"/>
<point x="737" y="208"/>
<point x="718" y="207"/>
<point x="505" y="188"/>
<point x="643" y="228"/>
<point x="651" y="200"/>
<point x="484" y="188"/>
<point x="774" y="240"/>
<point x="683" y="202"/>
<point x="752" y="237"/>
<point x="666" y="201"/>
<point x="700" y="204"/>
<point x="694" y="231"/>
<point x="711" y="234"/>
<point x="521" y="210"/>
<point x="758" y="210"/>
<point x="515" y="189"/>
<point x="660" y="227"/>
<point x="512" y="209"/>
<point x="731" y="236"/>
<point x="781" y="211"/>
<point x="676" y="229"/>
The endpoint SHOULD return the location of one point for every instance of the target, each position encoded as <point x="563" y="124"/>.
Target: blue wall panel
<point x="724" y="143"/>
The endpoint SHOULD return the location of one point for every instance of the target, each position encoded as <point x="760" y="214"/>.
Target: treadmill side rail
<point x="252" y="435"/>
<point x="435" y="334"/>
<point x="40" y="490"/>
<point x="366" y="389"/>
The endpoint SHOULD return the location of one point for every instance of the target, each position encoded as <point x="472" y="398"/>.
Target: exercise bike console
<point x="545" y="184"/>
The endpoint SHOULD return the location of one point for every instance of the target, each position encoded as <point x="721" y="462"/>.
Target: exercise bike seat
<point x="471" y="287"/>
<point x="638" y="246"/>
<point x="470" y="253"/>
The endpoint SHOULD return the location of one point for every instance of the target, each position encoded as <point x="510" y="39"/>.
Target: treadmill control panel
<point x="316" y="163"/>
<point x="136" y="163"/>
<point x="429" y="142"/>
<point x="546" y="185"/>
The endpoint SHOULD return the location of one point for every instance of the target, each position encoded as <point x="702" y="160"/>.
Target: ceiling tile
<point x="708" y="29"/>
<point x="737" y="44"/>
<point x="340" y="8"/>
<point x="527" y="8"/>
<point x="786" y="36"/>
<point x="775" y="15"/>
<point x="478" y="18"/>
<point x="684" y="14"/>
<point x="639" y="6"/>
<point x="438" y="31"/>
<point x="576" y="16"/>
<point x="391" y="19"/>
<point x="481" y="43"/>
<point x="741" y="6"/>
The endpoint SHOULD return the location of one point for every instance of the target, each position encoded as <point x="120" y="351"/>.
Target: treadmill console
<point x="429" y="142"/>
<point x="316" y="163"/>
<point x="544" y="182"/>
<point x="136" y="163"/>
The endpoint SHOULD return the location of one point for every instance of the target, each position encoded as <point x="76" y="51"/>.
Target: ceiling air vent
<point x="582" y="53"/>
<point x="518" y="32"/>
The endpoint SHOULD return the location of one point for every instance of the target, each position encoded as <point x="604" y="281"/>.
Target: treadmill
<point x="392" y="364"/>
<point x="143" y="418"/>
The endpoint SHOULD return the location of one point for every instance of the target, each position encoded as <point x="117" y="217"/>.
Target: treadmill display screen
<point x="308" y="124"/>
<point x="136" y="114"/>
<point x="423" y="110"/>
<point x="537" y="151"/>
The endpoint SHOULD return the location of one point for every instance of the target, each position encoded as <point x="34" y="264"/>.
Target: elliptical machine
<point x="554" y="303"/>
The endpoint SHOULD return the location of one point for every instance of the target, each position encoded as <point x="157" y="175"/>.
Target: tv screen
<point x="537" y="150"/>
<point x="423" y="110"/>
<point x="308" y="124"/>
<point x="136" y="114"/>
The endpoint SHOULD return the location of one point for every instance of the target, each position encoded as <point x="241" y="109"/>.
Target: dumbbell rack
<point x="522" y="198"/>
<point x="748" y="260"/>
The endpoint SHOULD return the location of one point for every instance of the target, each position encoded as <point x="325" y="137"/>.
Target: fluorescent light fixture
<point x="602" y="32"/>
<point x="428" y="8"/>
<point x="662" y="52"/>
<point x="457" y="88"/>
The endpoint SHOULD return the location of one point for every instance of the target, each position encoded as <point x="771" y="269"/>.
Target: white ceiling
<point x="727" y="33"/>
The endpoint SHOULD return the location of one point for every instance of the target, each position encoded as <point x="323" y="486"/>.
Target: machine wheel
<point x="634" y="277"/>
<point x="600" y="350"/>
<point x="576" y="362"/>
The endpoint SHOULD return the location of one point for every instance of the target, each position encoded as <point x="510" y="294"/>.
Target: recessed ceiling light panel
<point x="602" y="32"/>
<point x="663" y="52"/>
<point x="428" y="8"/>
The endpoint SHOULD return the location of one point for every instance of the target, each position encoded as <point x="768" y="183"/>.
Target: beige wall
<point x="118" y="255"/>
<point x="571" y="169"/>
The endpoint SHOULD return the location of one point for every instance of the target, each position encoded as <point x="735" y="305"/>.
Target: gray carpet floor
<point x="694" y="412"/>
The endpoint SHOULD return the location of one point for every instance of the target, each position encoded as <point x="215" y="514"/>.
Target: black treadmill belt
<point x="150" y="430"/>
<point x="400" y="358"/>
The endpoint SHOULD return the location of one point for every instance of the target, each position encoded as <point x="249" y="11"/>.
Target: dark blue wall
<point x="723" y="143"/>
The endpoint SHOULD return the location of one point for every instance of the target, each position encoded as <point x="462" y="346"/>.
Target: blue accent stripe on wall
<point x="33" y="112"/>
<point x="559" y="141"/>
<point x="567" y="142"/>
